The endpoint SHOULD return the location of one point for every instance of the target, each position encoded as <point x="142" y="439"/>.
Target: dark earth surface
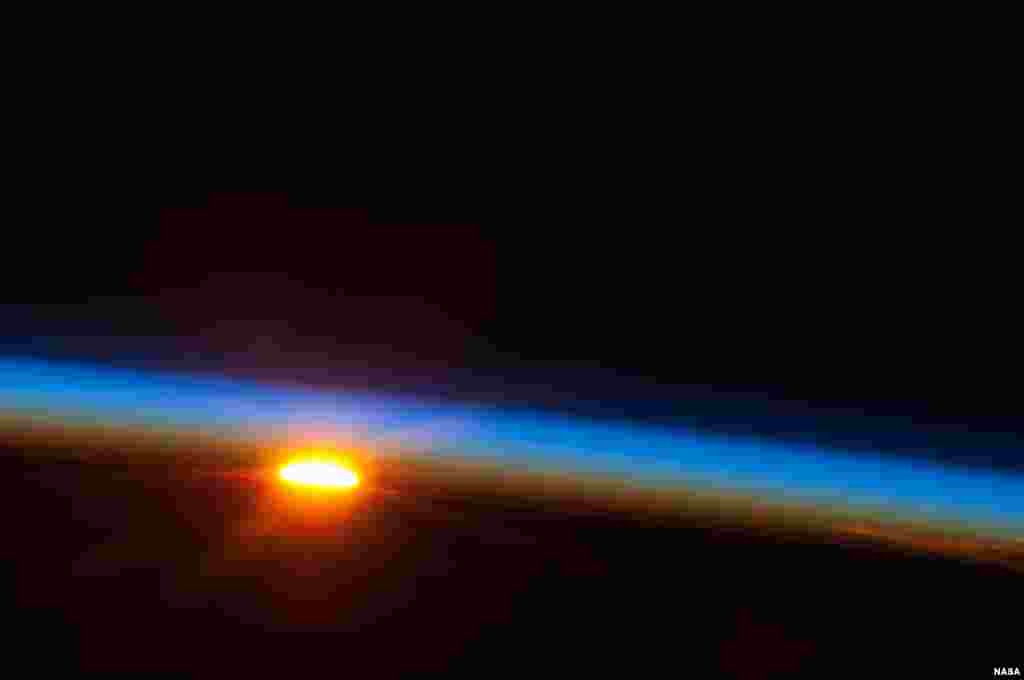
<point x="142" y="566"/>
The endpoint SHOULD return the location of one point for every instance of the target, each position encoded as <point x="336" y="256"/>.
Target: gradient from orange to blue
<point x="521" y="440"/>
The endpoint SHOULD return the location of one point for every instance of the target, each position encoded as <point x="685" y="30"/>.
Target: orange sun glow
<point x="320" y="474"/>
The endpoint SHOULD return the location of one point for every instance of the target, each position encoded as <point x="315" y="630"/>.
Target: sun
<point x="319" y="474"/>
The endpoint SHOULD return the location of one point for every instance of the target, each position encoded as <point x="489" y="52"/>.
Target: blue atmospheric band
<point x="629" y="452"/>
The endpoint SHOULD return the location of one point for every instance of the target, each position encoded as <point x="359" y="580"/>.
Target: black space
<point x="827" y="308"/>
<point x="800" y="310"/>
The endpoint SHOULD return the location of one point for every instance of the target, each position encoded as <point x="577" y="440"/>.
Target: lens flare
<point x="319" y="474"/>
